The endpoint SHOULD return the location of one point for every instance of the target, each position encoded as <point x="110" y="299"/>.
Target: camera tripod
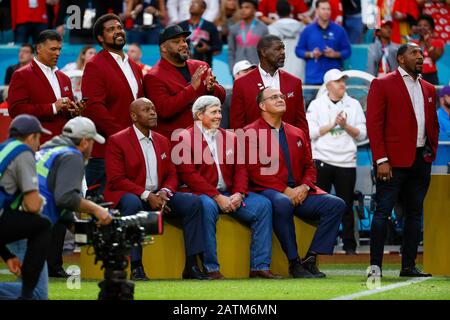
<point x="115" y="285"/>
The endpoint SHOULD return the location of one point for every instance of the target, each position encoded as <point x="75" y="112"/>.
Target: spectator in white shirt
<point x="336" y="122"/>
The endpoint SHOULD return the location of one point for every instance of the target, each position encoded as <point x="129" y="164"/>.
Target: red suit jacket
<point x="303" y="169"/>
<point x="200" y="174"/>
<point x="173" y="97"/>
<point x="244" y="109"/>
<point x="109" y="96"/>
<point x="30" y="92"/>
<point x="392" y="124"/>
<point x="125" y="165"/>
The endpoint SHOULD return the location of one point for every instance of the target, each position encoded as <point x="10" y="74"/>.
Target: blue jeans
<point x="182" y="204"/>
<point x="13" y="290"/>
<point x="257" y="213"/>
<point x="325" y="208"/>
<point x="354" y="27"/>
<point x="26" y="30"/>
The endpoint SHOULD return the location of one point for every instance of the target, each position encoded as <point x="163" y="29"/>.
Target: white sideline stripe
<point x="382" y="289"/>
<point x="5" y="271"/>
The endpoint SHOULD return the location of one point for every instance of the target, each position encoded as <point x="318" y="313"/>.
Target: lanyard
<point x="248" y="34"/>
<point x="196" y="32"/>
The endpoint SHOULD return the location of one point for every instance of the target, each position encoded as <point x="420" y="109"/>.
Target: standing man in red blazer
<point x="176" y="81"/>
<point x="141" y="176"/>
<point x="41" y="90"/>
<point x="211" y="166"/>
<point x="283" y="171"/>
<point x="245" y="110"/>
<point x="403" y="131"/>
<point x="111" y="81"/>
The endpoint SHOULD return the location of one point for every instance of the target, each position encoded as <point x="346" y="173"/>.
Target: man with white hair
<point x="221" y="180"/>
<point x="336" y="122"/>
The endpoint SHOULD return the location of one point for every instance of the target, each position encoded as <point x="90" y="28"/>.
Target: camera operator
<point x="20" y="207"/>
<point x="60" y="166"/>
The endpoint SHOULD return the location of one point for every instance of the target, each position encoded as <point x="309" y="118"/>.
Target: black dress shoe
<point x="58" y="273"/>
<point x="413" y="272"/>
<point x="138" y="274"/>
<point x="195" y="273"/>
<point x="310" y="264"/>
<point x="298" y="271"/>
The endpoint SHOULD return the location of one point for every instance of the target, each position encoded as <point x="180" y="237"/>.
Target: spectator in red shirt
<point x="267" y="10"/>
<point x="29" y="18"/>
<point x="432" y="48"/>
<point x="439" y="10"/>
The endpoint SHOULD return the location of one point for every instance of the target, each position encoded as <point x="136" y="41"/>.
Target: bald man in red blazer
<point x="281" y="168"/>
<point x="30" y="92"/>
<point x="128" y="186"/>
<point x="403" y="131"/>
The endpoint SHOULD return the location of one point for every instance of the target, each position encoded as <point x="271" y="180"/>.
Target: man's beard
<point x="178" y="57"/>
<point x="116" y="46"/>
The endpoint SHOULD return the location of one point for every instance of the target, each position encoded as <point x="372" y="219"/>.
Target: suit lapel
<point x="159" y="159"/>
<point x="404" y="91"/>
<point x="137" y="148"/>
<point x="117" y="70"/>
<point x="65" y="89"/>
<point x="37" y="70"/>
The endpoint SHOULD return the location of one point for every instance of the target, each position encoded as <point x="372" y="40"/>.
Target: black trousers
<point x="412" y="185"/>
<point x="343" y="180"/>
<point x="55" y="249"/>
<point x="16" y="225"/>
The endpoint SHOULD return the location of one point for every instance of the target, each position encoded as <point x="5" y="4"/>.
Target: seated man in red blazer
<point x="40" y="89"/>
<point x="283" y="171"/>
<point x="141" y="176"/>
<point x="403" y="130"/>
<point x="176" y="81"/>
<point x="245" y="110"/>
<point x="211" y="166"/>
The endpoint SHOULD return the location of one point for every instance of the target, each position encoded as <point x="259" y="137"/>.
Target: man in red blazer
<point x="245" y="110"/>
<point x="176" y="81"/>
<point x="280" y="168"/>
<point x="40" y="89"/>
<point x="210" y="164"/>
<point x="111" y="81"/>
<point x="403" y="131"/>
<point x="141" y="176"/>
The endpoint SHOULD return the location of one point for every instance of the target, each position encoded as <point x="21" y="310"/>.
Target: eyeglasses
<point x="275" y="97"/>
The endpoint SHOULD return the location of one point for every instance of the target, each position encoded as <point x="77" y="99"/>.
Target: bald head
<point x="143" y="114"/>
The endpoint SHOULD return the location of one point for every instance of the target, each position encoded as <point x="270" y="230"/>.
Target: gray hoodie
<point x="66" y="175"/>
<point x="289" y="31"/>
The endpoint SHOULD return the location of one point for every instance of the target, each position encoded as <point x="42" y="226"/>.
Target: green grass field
<point x="342" y="280"/>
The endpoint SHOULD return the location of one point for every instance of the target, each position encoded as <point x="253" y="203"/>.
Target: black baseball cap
<point x="26" y="124"/>
<point x="171" y="32"/>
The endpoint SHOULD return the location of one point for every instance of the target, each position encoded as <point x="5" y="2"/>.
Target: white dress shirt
<point x="416" y="96"/>
<point x="151" y="163"/>
<point x="210" y="137"/>
<point x="127" y="71"/>
<point x="50" y="74"/>
<point x="269" y="81"/>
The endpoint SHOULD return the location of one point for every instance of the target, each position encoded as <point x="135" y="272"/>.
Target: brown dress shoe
<point x="215" y="275"/>
<point x="266" y="274"/>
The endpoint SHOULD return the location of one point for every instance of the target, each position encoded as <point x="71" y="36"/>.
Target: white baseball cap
<point x="241" y="66"/>
<point x="333" y="75"/>
<point x="81" y="127"/>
